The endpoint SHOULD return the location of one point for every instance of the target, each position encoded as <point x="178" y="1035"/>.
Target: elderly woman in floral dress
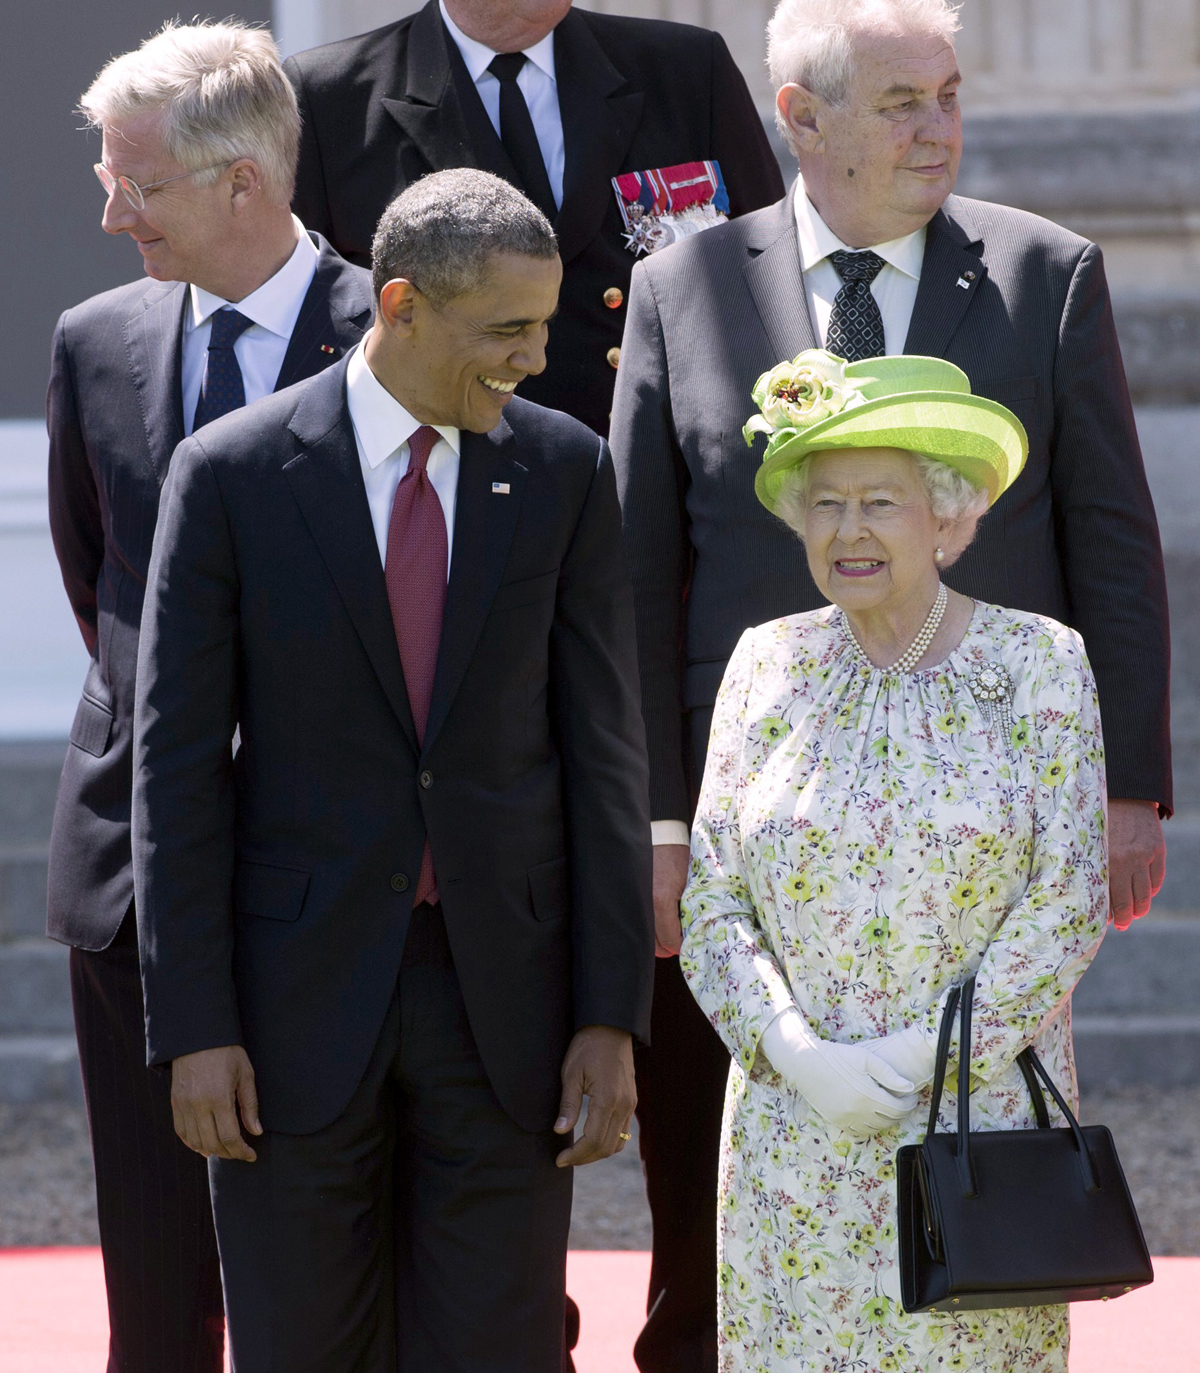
<point x="902" y="789"/>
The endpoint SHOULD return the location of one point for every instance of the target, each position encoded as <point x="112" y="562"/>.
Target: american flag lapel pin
<point x="964" y="283"/>
<point x="500" y="488"/>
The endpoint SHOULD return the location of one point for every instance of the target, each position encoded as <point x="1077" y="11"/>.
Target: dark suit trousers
<point x="156" y="1230"/>
<point x="422" y="1231"/>
<point x="681" y="1093"/>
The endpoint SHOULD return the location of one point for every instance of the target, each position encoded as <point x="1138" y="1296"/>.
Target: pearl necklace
<point x="915" y="651"/>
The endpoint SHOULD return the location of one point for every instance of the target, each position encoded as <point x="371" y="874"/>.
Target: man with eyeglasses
<point x="240" y="301"/>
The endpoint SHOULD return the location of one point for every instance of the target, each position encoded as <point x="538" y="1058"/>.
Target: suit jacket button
<point x="426" y="780"/>
<point x="399" y="882"/>
<point x="614" y="297"/>
<point x="614" y="357"/>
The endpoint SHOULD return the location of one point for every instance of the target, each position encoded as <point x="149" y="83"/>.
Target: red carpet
<point x="52" y="1316"/>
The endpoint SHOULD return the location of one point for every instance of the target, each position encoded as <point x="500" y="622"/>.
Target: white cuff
<point x="670" y="832"/>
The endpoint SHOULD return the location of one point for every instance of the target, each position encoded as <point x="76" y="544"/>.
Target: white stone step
<point x="39" y="1068"/>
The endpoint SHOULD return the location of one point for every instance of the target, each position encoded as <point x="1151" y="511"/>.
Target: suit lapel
<point x="600" y="115"/>
<point x="439" y="108"/>
<point x="337" y="310"/>
<point x="154" y="342"/>
<point x="951" y="275"/>
<point x="484" y="524"/>
<point x="326" y="481"/>
<point x="776" y="283"/>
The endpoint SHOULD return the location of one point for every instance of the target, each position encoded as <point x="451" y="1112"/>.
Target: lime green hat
<point x="924" y="405"/>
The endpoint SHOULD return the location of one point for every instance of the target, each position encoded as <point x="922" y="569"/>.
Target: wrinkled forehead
<point x="134" y="145"/>
<point x="891" y="60"/>
<point x="847" y="471"/>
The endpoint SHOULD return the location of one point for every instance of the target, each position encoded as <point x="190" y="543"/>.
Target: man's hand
<point x="1137" y="859"/>
<point x="208" y="1089"/>
<point x="670" y="878"/>
<point x="599" y="1064"/>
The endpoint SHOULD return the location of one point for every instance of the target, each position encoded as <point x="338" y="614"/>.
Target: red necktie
<point x="415" y="572"/>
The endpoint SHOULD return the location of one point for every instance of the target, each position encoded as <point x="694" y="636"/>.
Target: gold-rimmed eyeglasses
<point x="135" y="194"/>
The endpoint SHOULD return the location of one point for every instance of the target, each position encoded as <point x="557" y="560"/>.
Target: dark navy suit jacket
<point x="275" y="887"/>
<point x="1022" y="307"/>
<point x="115" y="415"/>
<point x="387" y="107"/>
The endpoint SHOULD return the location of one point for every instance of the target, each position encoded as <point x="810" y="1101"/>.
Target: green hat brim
<point x="980" y="438"/>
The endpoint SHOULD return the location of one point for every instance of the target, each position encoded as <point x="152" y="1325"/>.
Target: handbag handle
<point x="962" y="1000"/>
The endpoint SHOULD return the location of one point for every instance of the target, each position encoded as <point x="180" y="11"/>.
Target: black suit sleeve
<point x="310" y="202"/>
<point x="183" y="803"/>
<point x="738" y="139"/>
<point x="652" y="479"/>
<point x="1109" y="536"/>
<point x="75" y="521"/>
<point x="600" y="737"/>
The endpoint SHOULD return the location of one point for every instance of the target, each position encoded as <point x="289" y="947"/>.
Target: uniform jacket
<point x="115" y="415"/>
<point x="385" y="108"/>
<point x="275" y="887"/>
<point x="1022" y="307"/>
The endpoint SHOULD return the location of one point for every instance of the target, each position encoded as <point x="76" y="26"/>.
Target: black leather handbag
<point x="1012" y="1217"/>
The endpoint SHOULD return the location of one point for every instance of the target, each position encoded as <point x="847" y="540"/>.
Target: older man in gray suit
<point x="870" y="253"/>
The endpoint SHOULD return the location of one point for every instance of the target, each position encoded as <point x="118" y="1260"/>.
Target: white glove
<point x="845" y="1083"/>
<point x="908" y="1052"/>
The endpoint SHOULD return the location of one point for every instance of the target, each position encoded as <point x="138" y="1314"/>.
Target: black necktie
<point x="855" y="326"/>
<point x="221" y="390"/>
<point x="518" y="134"/>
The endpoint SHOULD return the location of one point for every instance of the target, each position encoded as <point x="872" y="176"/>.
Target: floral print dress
<point x="864" y="841"/>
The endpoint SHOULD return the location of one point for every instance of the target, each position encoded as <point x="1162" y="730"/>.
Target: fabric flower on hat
<point x="797" y="394"/>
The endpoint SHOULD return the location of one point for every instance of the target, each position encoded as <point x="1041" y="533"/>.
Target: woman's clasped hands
<point x="860" y="1089"/>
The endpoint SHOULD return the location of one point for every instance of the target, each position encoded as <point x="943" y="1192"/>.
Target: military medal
<point x="664" y="204"/>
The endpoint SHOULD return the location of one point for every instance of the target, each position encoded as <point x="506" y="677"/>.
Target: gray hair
<point x="223" y="95"/>
<point x="952" y="495"/>
<point x="440" y="233"/>
<point x="810" y="42"/>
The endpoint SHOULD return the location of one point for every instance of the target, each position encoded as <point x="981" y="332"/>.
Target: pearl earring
<point x="938" y="555"/>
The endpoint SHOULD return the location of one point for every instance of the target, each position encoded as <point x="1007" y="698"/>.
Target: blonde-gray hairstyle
<point x="809" y="42"/>
<point x="223" y="94"/>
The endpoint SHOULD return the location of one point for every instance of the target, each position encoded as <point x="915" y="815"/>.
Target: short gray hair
<point x="952" y="495"/>
<point x="441" y="232"/>
<point x="223" y="95"/>
<point x="810" y="42"/>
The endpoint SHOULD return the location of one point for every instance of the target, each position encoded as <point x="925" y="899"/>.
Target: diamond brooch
<point x="992" y="688"/>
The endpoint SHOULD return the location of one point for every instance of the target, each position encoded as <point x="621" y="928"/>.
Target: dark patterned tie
<point x="415" y="572"/>
<point x="221" y="390"/>
<point x="518" y="134"/>
<point x="855" y="326"/>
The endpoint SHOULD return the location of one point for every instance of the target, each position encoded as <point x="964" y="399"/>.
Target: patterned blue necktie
<point x="222" y="389"/>
<point x="855" y="326"/>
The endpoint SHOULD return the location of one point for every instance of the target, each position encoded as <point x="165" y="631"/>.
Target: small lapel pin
<point x="500" y="488"/>
<point x="964" y="283"/>
<point x="328" y="348"/>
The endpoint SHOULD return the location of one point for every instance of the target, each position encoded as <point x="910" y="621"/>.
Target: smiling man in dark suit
<point x="407" y="927"/>
<point x="557" y="101"/>
<point x="240" y="299"/>
<point x="870" y="253"/>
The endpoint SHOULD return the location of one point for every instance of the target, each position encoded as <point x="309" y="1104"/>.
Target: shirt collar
<point x="477" y="57"/>
<point x="275" y="305"/>
<point x="381" y="423"/>
<point x="817" y="241"/>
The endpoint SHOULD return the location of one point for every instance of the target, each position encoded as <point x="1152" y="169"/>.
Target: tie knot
<point x="862" y="266"/>
<point x="506" y="65"/>
<point x="227" y="327"/>
<point x="420" y="445"/>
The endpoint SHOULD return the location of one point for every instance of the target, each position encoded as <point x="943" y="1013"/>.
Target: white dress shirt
<point x="274" y="309"/>
<point x="895" y="292"/>
<point x="382" y="429"/>
<point x="538" y="85"/>
<point x="894" y="289"/>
